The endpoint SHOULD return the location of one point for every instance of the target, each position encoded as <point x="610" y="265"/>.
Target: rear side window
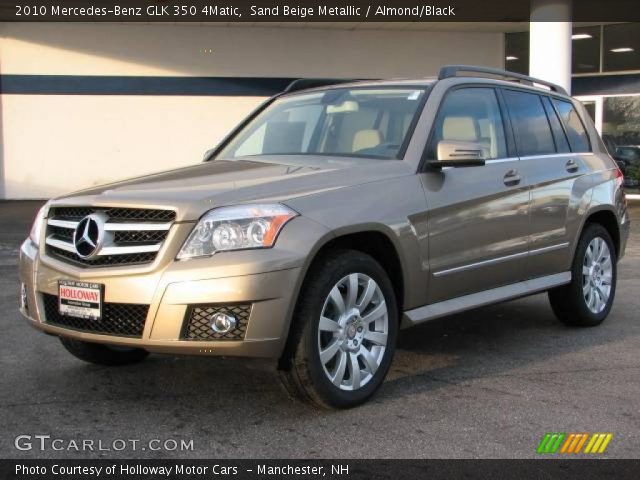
<point x="556" y="127"/>
<point x="533" y="133"/>
<point x="576" y="132"/>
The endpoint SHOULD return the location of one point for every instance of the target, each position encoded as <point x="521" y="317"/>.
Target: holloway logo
<point x="573" y="442"/>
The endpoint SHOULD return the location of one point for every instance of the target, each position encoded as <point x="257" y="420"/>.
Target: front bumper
<point x="269" y="280"/>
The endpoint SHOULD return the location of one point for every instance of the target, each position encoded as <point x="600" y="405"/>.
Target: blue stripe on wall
<point x="228" y="86"/>
<point x="136" y="85"/>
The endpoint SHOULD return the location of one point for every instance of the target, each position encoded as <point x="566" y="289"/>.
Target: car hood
<point x="196" y="189"/>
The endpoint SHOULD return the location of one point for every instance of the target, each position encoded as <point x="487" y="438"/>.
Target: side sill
<point x="474" y="300"/>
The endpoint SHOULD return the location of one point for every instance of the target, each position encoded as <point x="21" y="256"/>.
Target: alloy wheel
<point x="353" y="331"/>
<point x="597" y="275"/>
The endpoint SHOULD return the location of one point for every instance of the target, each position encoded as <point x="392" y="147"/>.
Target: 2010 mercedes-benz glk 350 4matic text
<point x="331" y="217"/>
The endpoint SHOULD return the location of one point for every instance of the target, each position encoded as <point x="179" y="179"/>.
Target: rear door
<point x="477" y="217"/>
<point x="551" y="161"/>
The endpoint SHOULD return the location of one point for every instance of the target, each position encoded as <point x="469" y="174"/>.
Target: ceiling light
<point x="510" y="58"/>
<point x="622" y="50"/>
<point x="580" y="36"/>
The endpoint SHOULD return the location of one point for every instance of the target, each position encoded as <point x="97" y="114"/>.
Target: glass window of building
<point x="621" y="47"/>
<point x="621" y="121"/>
<point x="516" y="47"/>
<point x="585" y="45"/>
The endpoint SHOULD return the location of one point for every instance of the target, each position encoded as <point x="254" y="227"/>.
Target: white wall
<point x="51" y="144"/>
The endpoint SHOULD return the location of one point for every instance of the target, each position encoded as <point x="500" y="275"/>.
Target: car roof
<point x="426" y="82"/>
<point x="463" y="74"/>
<point x="400" y="82"/>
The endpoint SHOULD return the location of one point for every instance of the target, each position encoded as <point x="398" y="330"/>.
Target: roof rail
<point x="304" y="83"/>
<point x="449" y="71"/>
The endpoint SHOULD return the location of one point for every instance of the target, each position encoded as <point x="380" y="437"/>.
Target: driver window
<point x="471" y="115"/>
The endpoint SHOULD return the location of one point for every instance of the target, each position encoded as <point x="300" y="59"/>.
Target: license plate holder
<point x="80" y="299"/>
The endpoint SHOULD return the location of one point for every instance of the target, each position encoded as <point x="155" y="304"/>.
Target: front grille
<point x="119" y="319"/>
<point x="197" y="322"/>
<point x="133" y="236"/>
<point x="115" y="214"/>
<point x="61" y="233"/>
<point x="104" y="260"/>
<point x="139" y="237"/>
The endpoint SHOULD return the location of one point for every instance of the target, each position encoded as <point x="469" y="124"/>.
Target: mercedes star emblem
<point x="88" y="236"/>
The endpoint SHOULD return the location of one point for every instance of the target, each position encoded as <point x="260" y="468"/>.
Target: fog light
<point x="222" y="323"/>
<point x="23" y="297"/>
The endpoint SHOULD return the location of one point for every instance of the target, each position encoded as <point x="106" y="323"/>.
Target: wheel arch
<point x="606" y="217"/>
<point x="375" y="240"/>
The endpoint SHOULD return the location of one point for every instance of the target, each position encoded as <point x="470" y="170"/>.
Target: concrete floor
<point x="486" y="383"/>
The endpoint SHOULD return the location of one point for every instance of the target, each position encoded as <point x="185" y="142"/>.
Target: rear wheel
<point x="346" y="331"/>
<point x="103" y="354"/>
<point x="587" y="300"/>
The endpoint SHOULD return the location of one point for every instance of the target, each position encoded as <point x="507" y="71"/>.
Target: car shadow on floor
<point x="516" y="338"/>
<point x="491" y="341"/>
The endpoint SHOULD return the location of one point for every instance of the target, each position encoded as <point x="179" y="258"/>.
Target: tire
<point x="369" y="321"/>
<point x="582" y="303"/>
<point x="100" y="354"/>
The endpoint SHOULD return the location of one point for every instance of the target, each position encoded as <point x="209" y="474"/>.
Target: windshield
<point x="360" y="122"/>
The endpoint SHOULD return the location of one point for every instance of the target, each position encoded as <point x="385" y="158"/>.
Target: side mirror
<point x="459" y="154"/>
<point x="208" y="154"/>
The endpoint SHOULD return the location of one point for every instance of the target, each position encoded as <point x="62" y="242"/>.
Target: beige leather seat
<point x="366" y="139"/>
<point x="460" y="129"/>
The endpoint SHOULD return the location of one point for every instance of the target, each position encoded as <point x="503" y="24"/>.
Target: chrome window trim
<point x="533" y="157"/>
<point x="550" y="155"/>
<point x="501" y="160"/>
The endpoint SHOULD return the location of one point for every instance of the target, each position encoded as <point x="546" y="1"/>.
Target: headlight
<point x="36" y="228"/>
<point x="236" y="228"/>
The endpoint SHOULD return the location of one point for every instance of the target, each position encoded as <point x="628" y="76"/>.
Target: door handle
<point x="571" y="165"/>
<point x="511" y="178"/>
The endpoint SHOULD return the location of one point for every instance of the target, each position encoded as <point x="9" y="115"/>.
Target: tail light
<point x="619" y="177"/>
<point x="619" y="182"/>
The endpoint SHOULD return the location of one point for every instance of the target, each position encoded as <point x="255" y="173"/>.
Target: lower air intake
<point x="119" y="319"/>
<point x="198" y="322"/>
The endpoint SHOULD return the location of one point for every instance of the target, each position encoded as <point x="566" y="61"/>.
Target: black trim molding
<point x="137" y="85"/>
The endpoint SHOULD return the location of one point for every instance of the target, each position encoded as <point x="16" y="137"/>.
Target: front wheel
<point x="587" y="300"/>
<point x="347" y="326"/>
<point x="103" y="354"/>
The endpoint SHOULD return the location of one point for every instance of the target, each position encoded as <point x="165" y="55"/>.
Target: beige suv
<point x="331" y="217"/>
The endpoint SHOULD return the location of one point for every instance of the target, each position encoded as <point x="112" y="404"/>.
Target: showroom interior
<point x="85" y="104"/>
